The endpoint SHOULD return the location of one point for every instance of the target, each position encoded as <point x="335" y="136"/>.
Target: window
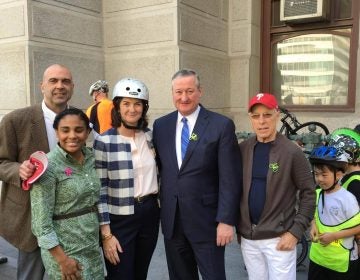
<point x="311" y="66"/>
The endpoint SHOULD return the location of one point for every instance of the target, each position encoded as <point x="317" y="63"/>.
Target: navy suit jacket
<point x="207" y="186"/>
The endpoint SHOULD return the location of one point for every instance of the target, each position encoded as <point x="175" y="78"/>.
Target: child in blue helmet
<point x="333" y="252"/>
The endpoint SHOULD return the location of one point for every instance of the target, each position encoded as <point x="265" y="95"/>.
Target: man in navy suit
<point x="200" y="190"/>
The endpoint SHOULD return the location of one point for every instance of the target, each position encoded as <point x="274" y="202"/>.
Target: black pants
<point x="318" y="272"/>
<point x="185" y="257"/>
<point x="137" y="235"/>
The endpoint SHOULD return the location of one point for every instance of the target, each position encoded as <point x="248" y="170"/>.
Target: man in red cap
<point x="274" y="170"/>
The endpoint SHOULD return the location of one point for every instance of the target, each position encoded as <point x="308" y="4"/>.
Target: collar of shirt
<point x="49" y="117"/>
<point x="191" y="119"/>
<point x="191" y="123"/>
<point x="86" y="152"/>
<point x="48" y="114"/>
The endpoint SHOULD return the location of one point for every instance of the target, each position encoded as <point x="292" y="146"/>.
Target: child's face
<point x="324" y="177"/>
<point x="72" y="134"/>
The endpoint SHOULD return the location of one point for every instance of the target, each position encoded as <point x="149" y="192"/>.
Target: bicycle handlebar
<point x="287" y="115"/>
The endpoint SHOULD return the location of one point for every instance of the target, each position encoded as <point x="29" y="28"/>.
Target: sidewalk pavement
<point x="235" y="269"/>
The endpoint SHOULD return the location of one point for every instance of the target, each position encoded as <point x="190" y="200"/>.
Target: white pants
<point x="264" y="262"/>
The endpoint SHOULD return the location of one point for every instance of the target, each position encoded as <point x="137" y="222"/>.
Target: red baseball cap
<point x="265" y="99"/>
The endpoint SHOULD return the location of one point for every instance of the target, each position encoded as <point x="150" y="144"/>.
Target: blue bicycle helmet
<point x="329" y="155"/>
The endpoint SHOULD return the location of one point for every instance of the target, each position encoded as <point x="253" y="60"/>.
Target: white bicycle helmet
<point x="129" y="87"/>
<point x="99" y="85"/>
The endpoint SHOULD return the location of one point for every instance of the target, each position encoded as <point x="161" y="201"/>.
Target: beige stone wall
<point x="140" y="41"/>
<point x="13" y="72"/>
<point x="145" y="39"/>
<point x="69" y="33"/>
<point x="151" y="40"/>
<point x="203" y="46"/>
<point x="244" y="53"/>
<point x="36" y="34"/>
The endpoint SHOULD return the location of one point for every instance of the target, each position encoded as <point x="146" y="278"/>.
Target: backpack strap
<point x="94" y="119"/>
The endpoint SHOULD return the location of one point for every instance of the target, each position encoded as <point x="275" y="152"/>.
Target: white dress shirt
<point x="191" y="120"/>
<point x="49" y="117"/>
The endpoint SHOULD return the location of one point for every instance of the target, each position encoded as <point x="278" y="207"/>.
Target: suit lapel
<point x="172" y="138"/>
<point x="38" y="130"/>
<point x="195" y="137"/>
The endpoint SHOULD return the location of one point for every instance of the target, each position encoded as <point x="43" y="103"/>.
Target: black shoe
<point x="3" y="260"/>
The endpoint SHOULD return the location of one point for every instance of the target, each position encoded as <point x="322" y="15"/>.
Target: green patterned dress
<point x="67" y="187"/>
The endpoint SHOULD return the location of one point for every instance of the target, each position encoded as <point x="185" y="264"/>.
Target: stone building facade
<point x="146" y="39"/>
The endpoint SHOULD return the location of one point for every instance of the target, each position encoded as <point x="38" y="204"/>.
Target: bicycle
<point x="291" y="126"/>
<point x="307" y="135"/>
<point x="294" y="130"/>
<point x="302" y="250"/>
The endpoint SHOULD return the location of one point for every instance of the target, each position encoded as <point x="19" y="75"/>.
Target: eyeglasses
<point x="265" y="116"/>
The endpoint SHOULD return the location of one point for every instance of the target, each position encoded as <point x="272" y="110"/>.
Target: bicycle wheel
<point x="316" y="127"/>
<point x="302" y="249"/>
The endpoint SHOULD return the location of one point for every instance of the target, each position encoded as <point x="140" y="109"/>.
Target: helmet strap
<point x="129" y="126"/>
<point x="327" y="191"/>
<point x="138" y="126"/>
<point x="334" y="185"/>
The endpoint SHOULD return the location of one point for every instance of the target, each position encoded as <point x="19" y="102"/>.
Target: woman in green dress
<point x="63" y="204"/>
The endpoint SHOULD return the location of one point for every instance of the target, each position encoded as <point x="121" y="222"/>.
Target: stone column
<point x="244" y="55"/>
<point x="36" y="34"/>
<point x="141" y="42"/>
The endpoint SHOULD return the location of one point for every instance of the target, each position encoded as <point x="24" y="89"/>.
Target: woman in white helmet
<point x="128" y="207"/>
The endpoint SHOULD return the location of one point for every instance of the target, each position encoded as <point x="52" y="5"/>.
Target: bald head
<point x="56" y="67"/>
<point x="57" y="87"/>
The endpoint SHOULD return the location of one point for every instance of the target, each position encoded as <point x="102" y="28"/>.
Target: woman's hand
<point x="70" y="269"/>
<point x="111" y="248"/>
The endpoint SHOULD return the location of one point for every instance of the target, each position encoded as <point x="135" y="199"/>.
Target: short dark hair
<point x="71" y="111"/>
<point x="340" y="166"/>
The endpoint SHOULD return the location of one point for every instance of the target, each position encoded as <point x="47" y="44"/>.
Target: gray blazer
<point x="22" y="132"/>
